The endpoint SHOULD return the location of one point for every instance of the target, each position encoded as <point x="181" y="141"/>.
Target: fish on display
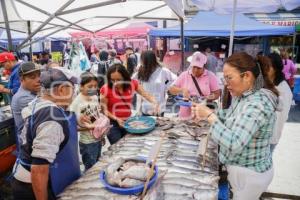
<point x="181" y="175"/>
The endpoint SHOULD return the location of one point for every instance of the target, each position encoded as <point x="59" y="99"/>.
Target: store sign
<point x="283" y="23"/>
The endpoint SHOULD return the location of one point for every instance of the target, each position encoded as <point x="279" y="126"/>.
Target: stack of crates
<point x="296" y="91"/>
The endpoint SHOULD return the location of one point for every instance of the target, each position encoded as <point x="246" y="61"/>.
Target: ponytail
<point x="265" y="64"/>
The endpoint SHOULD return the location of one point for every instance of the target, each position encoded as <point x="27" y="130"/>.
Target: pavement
<point x="286" y="159"/>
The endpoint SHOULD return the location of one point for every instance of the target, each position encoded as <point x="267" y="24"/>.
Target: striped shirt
<point x="243" y="131"/>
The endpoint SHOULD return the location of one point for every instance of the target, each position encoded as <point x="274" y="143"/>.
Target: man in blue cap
<point x="48" y="160"/>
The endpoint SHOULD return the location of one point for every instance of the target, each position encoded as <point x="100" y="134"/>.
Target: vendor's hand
<point x="200" y="111"/>
<point x="156" y="107"/>
<point x="120" y="122"/>
<point x="185" y="94"/>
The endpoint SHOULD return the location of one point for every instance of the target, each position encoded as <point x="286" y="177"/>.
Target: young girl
<point x="86" y="105"/>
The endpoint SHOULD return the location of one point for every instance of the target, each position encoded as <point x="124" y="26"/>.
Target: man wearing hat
<point x="196" y="81"/>
<point x="9" y="62"/>
<point x="48" y="160"/>
<point x="29" y="74"/>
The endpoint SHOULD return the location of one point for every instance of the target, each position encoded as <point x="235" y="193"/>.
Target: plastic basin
<point x="148" y="120"/>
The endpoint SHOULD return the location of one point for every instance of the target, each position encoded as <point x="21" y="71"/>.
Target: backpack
<point x="101" y="73"/>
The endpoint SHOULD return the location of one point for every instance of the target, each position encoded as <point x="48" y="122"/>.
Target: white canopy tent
<point x="53" y="16"/>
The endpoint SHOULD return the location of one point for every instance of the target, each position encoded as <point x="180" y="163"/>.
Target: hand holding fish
<point x="185" y="94"/>
<point x="156" y="107"/>
<point x="200" y="111"/>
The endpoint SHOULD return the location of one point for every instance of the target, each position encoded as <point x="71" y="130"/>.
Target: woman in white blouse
<point x="155" y="79"/>
<point x="285" y="95"/>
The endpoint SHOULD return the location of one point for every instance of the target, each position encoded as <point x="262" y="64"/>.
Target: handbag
<point x="102" y="126"/>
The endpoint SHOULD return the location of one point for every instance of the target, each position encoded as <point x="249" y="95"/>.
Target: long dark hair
<point x="244" y="62"/>
<point x="124" y="73"/>
<point x="148" y="65"/>
<point x="103" y="56"/>
<point x="278" y="67"/>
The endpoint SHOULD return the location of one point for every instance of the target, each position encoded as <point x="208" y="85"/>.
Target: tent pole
<point x="232" y="28"/>
<point x="30" y="46"/>
<point x="49" y="14"/>
<point x="182" y="44"/>
<point x="10" y="45"/>
<point x="64" y="6"/>
<point x="127" y="18"/>
<point x="53" y="32"/>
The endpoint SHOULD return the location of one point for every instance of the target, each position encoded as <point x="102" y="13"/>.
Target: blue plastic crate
<point x="223" y="191"/>
<point x="296" y="91"/>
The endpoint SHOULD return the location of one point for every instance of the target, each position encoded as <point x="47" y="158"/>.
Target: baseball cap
<point x="55" y="76"/>
<point x="129" y="47"/>
<point x="198" y="60"/>
<point x="6" y="56"/>
<point x="27" y="68"/>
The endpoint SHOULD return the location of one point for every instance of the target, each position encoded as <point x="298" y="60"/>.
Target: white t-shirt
<point x="81" y="106"/>
<point x="286" y="97"/>
<point x="157" y="85"/>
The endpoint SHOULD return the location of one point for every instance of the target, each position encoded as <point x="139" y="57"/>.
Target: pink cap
<point x="198" y="60"/>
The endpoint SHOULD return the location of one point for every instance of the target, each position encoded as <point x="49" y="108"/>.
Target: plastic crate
<point x="223" y="191"/>
<point x="296" y="91"/>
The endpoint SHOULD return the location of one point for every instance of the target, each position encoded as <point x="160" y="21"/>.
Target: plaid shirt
<point x="244" y="130"/>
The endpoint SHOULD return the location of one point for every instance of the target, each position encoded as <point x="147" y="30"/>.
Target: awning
<point x="211" y="24"/>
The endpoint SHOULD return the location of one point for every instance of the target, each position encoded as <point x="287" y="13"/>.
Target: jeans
<point x="24" y="191"/>
<point x="90" y="153"/>
<point x="115" y="133"/>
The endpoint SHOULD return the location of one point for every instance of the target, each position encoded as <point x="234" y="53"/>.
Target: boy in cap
<point x="9" y="62"/>
<point x="29" y="74"/>
<point x="48" y="160"/>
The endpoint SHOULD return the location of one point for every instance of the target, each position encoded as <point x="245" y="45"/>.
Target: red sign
<point x="283" y="23"/>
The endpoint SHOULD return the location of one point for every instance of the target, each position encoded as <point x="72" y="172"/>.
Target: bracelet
<point x="209" y="115"/>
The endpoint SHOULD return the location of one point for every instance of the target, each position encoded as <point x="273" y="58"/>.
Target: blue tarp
<point x="211" y="24"/>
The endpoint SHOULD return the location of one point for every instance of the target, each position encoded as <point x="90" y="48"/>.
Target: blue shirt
<point x="14" y="80"/>
<point x="19" y="101"/>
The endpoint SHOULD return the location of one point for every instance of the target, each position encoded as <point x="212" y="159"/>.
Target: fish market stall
<point x="183" y="171"/>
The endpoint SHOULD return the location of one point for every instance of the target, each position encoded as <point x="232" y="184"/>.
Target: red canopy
<point x="116" y="33"/>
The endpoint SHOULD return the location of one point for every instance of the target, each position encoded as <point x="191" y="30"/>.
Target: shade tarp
<point x="211" y="24"/>
<point x="77" y="16"/>
<point x="133" y="30"/>
<point x="245" y="6"/>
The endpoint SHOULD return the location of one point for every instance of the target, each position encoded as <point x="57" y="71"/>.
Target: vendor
<point x="48" y="160"/>
<point x="243" y="131"/>
<point x="9" y="62"/>
<point x="116" y="98"/>
<point x="197" y="81"/>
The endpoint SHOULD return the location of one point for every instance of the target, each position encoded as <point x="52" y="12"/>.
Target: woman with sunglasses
<point x="116" y="98"/>
<point x="243" y="131"/>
